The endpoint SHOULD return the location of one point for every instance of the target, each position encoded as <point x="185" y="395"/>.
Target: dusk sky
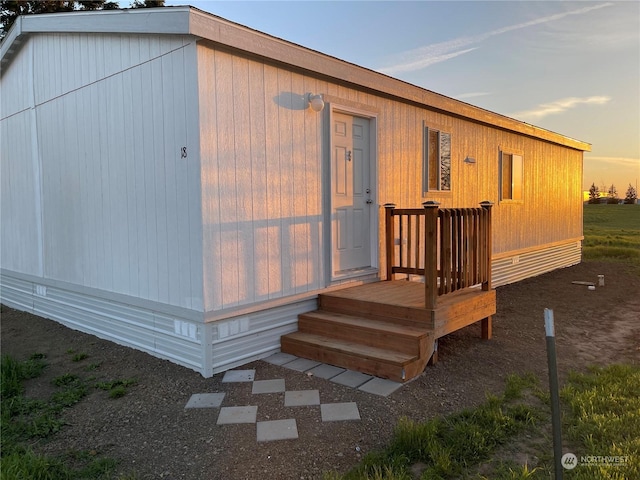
<point x="570" y="67"/>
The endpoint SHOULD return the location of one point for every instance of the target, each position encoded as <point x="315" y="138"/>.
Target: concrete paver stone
<point x="351" y="378"/>
<point x="268" y="386"/>
<point x="229" y="415"/>
<point x="205" y="400"/>
<point x="301" y="398"/>
<point x="380" y="386"/>
<point x="276" y="430"/>
<point x="333" y="412"/>
<point x="280" y="358"/>
<point x="301" y="364"/>
<point x="326" y="371"/>
<point x="238" y="376"/>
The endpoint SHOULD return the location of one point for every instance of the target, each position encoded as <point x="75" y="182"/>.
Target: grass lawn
<point x="602" y="417"/>
<point x="612" y="233"/>
<point x="26" y="421"/>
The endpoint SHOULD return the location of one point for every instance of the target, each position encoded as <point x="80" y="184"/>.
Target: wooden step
<point x="399" y="301"/>
<point x="375" y="333"/>
<point x="375" y="361"/>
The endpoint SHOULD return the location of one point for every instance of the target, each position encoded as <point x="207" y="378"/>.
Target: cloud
<point x="621" y="161"/>
<point x="423" y="57"/>
<point x="558" y="106"/>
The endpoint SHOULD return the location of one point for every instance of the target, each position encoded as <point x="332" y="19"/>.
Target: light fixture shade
<point x="316" y="102"/>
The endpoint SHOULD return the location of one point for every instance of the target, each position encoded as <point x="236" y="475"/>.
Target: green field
<point x="612" y="233"/>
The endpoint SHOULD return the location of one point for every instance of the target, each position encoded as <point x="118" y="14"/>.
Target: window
<point x="436" y="165"/>
<point x="511" y="176"/>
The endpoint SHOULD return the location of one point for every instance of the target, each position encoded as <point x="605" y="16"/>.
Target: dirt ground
<point x="150" y="433"/>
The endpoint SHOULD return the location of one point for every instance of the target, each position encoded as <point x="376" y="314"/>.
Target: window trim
<point x="512" y="153"/>
<point x="426" y="190"/>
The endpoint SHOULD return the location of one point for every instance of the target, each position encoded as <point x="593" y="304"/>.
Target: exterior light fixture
<point x="469" y="160"/>
<point x="316" y="102"/>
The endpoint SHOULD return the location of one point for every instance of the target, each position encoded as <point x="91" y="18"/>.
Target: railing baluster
<point x="409" y="240"/>
<point x="401" y="242"/>
<point x="418" y="243"/>
<point x="455" y="235"/>
<point x="468" y="277"/>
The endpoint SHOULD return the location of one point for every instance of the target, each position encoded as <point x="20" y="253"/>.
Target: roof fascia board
<point x="167" y="20"/>
<point x="11" y="43"/>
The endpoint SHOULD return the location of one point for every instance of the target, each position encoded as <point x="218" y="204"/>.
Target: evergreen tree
<point x="631" y="196"/>
<point x="594" y="194"/>
<point x="147" y="3"/>
<point x="612" y="195"/>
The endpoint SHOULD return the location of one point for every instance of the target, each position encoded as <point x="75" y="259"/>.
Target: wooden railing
<point x="450" y="247"/>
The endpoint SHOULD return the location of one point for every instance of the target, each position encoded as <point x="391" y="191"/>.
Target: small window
<point x="511" y="176"/>
<point x="436" y="165"/>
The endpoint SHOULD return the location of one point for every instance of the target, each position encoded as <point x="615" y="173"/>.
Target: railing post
<point x="390" y="238"/>
<point x="486" y="283"/>
<point x="486" y="324"/>
<point x="430" y="254"/>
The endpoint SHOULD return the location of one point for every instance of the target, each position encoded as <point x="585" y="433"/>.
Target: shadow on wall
<point x="292" y="101"/>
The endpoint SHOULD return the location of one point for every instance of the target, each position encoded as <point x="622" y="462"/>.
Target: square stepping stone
<point x="280" y="358"/>
<point x="205" y="400"/>
<point x="334" y="412"/>
<point x="229" y="415"/>
<point x="268" y="386"/>
<point x="351" y="378"/>
<point x="326" y="371"/>
<point x="380" y="386"/>
<point x="301" y="364"/>
<point x="301" y="398"/>
<point x="277" y="430"/>
<point x="239" y="376"/>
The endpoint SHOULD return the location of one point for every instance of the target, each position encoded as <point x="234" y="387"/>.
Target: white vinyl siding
<point x="120" y="206"/>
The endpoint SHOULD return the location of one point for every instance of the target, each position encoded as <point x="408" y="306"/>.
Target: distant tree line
<point x="11" y="9"/>
<point x="595" y="195"/>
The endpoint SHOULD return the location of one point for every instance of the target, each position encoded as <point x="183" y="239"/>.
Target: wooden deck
<point x="384" y="328"/>
<point x="391" y="328"/>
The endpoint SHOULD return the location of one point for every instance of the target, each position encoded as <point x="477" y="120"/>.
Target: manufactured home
<point x="187" y="186"/>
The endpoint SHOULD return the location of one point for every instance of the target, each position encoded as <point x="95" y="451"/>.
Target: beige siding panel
<point x="285" y="141"/>
<point x="261" y="145"/>
<point x="258" y="167"/>
<point x="274" y="199"/>
<point x="309" y="185"/>
<point x="212" y="286"/>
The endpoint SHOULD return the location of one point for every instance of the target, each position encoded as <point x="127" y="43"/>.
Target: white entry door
<point x="351" y="194"/>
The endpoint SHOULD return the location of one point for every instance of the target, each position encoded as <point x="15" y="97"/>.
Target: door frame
<point x="372" y="116"/>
